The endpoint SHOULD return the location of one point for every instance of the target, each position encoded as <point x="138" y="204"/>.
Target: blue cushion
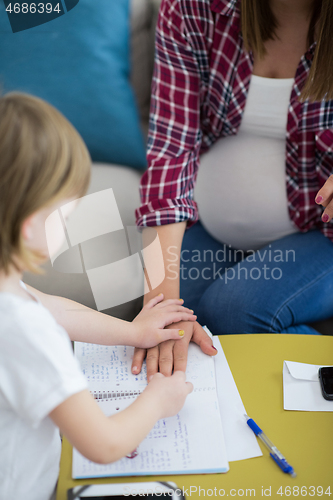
<point x="79" y="62"/>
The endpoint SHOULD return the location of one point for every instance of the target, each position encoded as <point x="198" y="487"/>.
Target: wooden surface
<point x="305" y="438"/>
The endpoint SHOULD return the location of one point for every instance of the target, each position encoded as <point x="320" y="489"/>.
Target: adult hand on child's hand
<point x="324" y="197"/>
<point x="171" y="355"/>
<point x="156" y="314"/>
<point x="169" y="393"/>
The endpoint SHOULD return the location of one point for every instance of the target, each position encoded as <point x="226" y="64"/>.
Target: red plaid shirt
<point x="201" y="80"/>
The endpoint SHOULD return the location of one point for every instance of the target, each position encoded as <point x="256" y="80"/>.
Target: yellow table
<point x="305" y="438"/>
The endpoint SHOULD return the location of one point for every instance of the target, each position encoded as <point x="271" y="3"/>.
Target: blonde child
<point x="44" y="165"/>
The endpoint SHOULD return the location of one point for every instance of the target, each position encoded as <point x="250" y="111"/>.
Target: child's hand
<point x="169" y="393"/>
<point x="157" y="313"/>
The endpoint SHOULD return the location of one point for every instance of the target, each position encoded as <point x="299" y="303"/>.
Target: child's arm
<point x="107" y="439"/>
<point x="87" y="325"/>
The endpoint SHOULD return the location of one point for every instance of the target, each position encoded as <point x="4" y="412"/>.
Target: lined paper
<point x="191" y="442"/>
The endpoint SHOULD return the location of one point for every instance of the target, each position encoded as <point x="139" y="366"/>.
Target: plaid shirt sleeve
<point x="174" y="132"/>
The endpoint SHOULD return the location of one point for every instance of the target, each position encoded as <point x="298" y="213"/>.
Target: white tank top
<point x="241" y="185"/>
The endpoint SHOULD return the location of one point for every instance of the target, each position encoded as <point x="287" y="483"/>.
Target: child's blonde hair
<point x="42" y="160"/>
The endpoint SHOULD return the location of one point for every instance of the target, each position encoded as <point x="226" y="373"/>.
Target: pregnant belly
<point x="241" y="191"/>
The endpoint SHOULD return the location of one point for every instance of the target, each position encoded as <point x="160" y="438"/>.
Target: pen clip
<point x="254" y="427"/>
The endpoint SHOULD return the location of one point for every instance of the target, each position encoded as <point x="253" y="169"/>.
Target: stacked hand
<point x="149" y="325"/>
<point x="171" y="354"/>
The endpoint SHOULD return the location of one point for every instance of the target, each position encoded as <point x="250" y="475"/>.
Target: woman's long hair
<point x="259" y="25"/>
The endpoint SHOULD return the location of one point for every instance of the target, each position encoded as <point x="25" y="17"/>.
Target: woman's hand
<point x="171" y="354"/>
<point x="325" y="198"/>
<point x="148" y="326"/>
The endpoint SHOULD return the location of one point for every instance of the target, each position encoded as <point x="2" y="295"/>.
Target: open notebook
<point x="191" y="442"/>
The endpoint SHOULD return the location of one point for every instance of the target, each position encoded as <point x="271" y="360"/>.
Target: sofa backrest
<point x="143" y="21"/>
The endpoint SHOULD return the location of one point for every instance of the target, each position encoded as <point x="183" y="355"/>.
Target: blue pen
<point x="273" y="451"/>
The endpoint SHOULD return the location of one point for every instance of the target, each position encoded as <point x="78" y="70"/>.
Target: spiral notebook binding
<point x="204" y="389"/>
<point x="106" y="395"/>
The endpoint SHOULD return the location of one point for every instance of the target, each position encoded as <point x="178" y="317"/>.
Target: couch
<point x="123" y="180"/>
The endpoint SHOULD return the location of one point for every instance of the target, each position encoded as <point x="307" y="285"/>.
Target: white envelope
<point x="301" y="388"/>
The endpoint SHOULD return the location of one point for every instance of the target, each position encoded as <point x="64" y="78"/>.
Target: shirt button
<point x="297" y="214"/>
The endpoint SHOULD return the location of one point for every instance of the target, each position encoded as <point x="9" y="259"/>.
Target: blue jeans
<point x="280" y="288"/>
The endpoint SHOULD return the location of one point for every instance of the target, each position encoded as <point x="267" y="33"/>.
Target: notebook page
<point x="108" y="368"/>
<point x="190" y="442"/>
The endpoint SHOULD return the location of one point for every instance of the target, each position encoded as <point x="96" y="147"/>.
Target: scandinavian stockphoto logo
<point x="118" y="264"/>
<point x="26" y="14"/>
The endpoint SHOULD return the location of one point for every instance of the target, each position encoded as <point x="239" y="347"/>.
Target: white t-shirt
<point x="241" y="185"/>
<point x="37" y="372"/>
